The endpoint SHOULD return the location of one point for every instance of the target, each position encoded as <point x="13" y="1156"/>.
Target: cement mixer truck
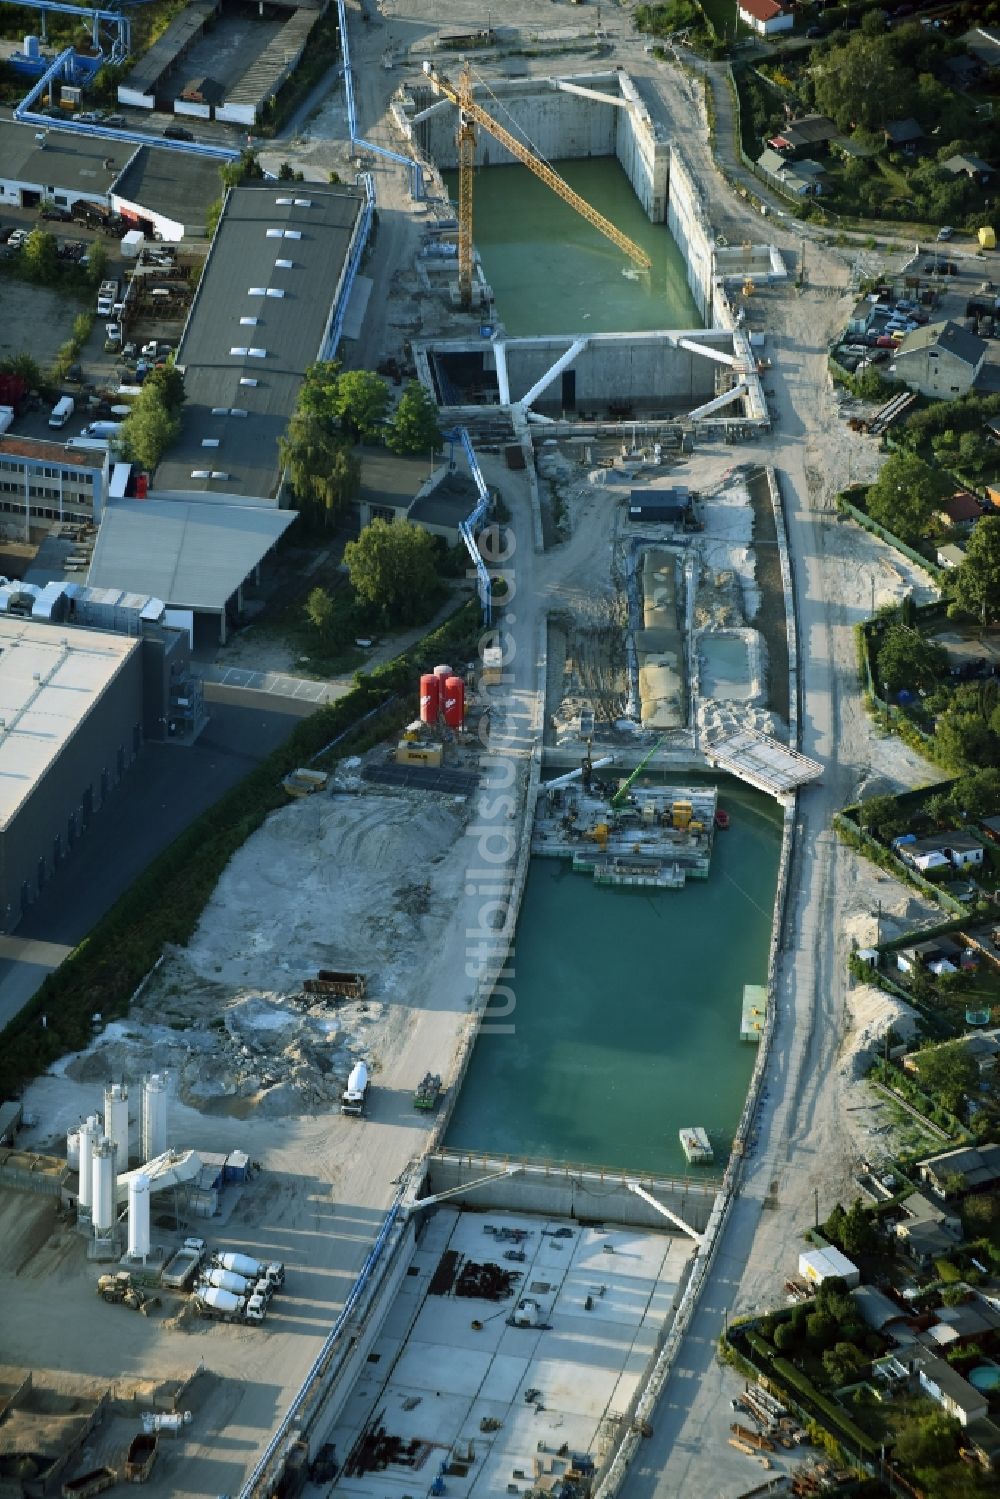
<point x="228" y="1280"/>
<point x="226" y="1306"/>
<point x="353" y="1098"/>
<point x="251" y="1269"/>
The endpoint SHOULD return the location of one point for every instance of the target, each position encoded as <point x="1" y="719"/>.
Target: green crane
<point x="619" y="797"/>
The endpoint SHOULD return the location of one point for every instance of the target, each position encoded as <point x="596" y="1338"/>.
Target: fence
<point x="845" y="507"/>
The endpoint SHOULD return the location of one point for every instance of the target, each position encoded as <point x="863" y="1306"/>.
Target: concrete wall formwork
<point x="689" y="227"/>
<point x="583" y="1193"/>
<point x="559" y="125"/>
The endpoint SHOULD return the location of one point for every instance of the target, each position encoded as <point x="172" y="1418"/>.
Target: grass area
<point x="328" y="654"/>
<point x="904" y="1136"/>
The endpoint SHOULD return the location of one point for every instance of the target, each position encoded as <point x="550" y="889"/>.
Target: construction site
<point x="456" y="1320"/>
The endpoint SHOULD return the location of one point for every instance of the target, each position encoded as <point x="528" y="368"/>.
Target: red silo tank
<point x="443" y="672"/>
<point x="430" y="697"/>
<point x="453" y="702"/>
<point x="141" y="486"/>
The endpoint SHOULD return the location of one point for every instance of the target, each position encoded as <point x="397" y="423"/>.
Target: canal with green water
<point x="552" y="272"/>
<point x="628" y="1006"/>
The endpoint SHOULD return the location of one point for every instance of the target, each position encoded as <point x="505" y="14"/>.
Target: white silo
<point x="154" y="1116"/>
<point x="105" y="1179"/>
<point x="138" y="1216"/>
<point x="89" y="1130"/>
<point x="73" y="1148"/>
<point x="116" y="1120"/>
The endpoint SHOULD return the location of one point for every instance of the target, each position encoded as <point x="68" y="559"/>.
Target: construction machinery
<point x="472" y="114"/>
<point x="621" y="795"/>
<point x="119" y="1288"/>
<point x="428" y="1092"/>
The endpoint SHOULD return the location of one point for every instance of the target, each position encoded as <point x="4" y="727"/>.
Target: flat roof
<point x="66" y="160"/>
<point x="763" y="762"/>
<point x="600" y="1316"/>
<point x="448" y="502"/>
<point x="50" y="678"/>
<point x="191" y="555"/>
<point x="309" y="227"/>
<point x="176" y="184"/>
<point x="43" y="451"/>
<point x="391" y="478"/>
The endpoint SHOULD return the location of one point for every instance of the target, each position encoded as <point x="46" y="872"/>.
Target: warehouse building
<point x="57" y="166"/>
<point x="171" y="191"/>
<point x="86" y="677"/>
<point x="266" y="306"/>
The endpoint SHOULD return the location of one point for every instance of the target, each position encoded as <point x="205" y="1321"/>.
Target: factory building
<point x="57" y="166"/>
<point x="86" y="676"/>
<point x="42" y="480"/>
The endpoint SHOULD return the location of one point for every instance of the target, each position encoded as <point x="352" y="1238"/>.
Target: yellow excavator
<point x="472" y="114"/>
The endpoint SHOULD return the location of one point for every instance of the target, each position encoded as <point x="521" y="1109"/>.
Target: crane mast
<point x="472" y="114"/>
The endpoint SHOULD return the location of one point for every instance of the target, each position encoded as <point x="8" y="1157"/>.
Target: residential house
<point x="982" y="1439"/>
<point x="960" y="850"/>
<point x="939" y="361"/>
<point x="945" y="1385"/>
<point x="950" y="556"/>
<point x="962" y="72"/>
<point x="963" y="509"/>
<point x="971" y="1322"/>
<point x="974" y="167"/>
<point x="926" y="1230"/>
<point x="991" y="827"/>
<point x="940" y="955"/>
<point x="806" y="134"/>
<point x="766" y="17"/>
<point x="786" y="175"/>
<point x="902" y="135"/>
<point x="977" y="1166"/>
<point x="983" y="42"/>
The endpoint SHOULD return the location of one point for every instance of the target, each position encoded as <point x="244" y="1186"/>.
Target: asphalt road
<point x="168" y="787"/>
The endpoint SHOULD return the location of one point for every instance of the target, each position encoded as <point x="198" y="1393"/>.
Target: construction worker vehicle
<point x="119" y="1288"/>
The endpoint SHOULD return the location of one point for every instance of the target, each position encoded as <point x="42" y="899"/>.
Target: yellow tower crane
<point x="472" y="114"/>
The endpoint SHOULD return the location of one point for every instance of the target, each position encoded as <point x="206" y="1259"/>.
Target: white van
<point x="62" y="411"/>
<point x="102" y="429"/>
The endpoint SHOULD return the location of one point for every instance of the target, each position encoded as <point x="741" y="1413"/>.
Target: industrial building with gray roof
<point x="170" y="184"/>
<point x="262" y="314"/>
<point x="58" y="164"/>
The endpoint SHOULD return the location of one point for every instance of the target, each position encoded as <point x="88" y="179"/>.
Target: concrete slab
<point x="457" y="1390"/>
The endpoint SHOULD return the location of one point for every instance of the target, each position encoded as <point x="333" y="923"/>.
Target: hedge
<point x="165" y="904"/>
<point x="783" y="1372"/>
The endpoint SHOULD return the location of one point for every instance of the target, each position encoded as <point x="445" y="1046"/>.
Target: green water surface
<point x="628" y="1006"/>
<point x="552" y="272"/>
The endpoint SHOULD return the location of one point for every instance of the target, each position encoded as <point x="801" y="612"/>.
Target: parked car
<point x="53" y="211"/>
<point x="18" y="239"/>
<point x="945" y="232"/>
<point x="117" y="122"/>
<point x="178" y="133"/>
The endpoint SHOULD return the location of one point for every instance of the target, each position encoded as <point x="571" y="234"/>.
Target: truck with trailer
<point x="355" y="1095"/>
<point x="335" y="981"/>
<point x="141" y="1456"/>
<point x="93" y="1482"/>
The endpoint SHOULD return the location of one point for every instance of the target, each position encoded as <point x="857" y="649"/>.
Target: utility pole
<point x="816" y="1206"/>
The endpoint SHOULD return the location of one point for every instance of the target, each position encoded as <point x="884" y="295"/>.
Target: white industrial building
<point x="818" y="1265"/>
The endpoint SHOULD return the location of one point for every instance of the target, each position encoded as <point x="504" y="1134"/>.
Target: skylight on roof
<point x="303" y="202"/>
<point x="210" y="442"/>
<point x="257" y="291"/>
<point x="249" y="322"/>
<point x="257" y="353"/>
<point x="283" y="265"/>
<point x="240" y="351"/>
<point x="276" y="291"/>
<point x="247" y="380"/>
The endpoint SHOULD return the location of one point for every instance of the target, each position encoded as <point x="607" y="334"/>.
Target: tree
<point x="414" y="426"/>
<point x="362" y="400"/>
<point x="927" y="1441"/>
<point x="97" y="262"/>
<point x="821" y="1330"/>
<point x="393" y="568"/>
<point x="905" y="496"/>
<point x="324" y="473"/>
<point x="976" y="580"/>
<point x="149" y="430"/>
<point x="287" y="173"/>
<point x="862" y="82"/>
<point x="319" y="610"/>
<point x="842" y="1362"/>
<point x="246" y="168"/>
<point x="881" y="816"/>
<point x="978" y="794"/>
<point x="859" y="1233"/>
<point x="948" y="1072"/>
<point x="908" y="659"/>
<point x="40" y="257"/>
<point x="785" y="1337"/>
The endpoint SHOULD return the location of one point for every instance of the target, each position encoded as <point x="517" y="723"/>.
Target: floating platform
<point x="697" y="1146"/>
<point x="660" y="837"/>
<point x="754" y="1012"/>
